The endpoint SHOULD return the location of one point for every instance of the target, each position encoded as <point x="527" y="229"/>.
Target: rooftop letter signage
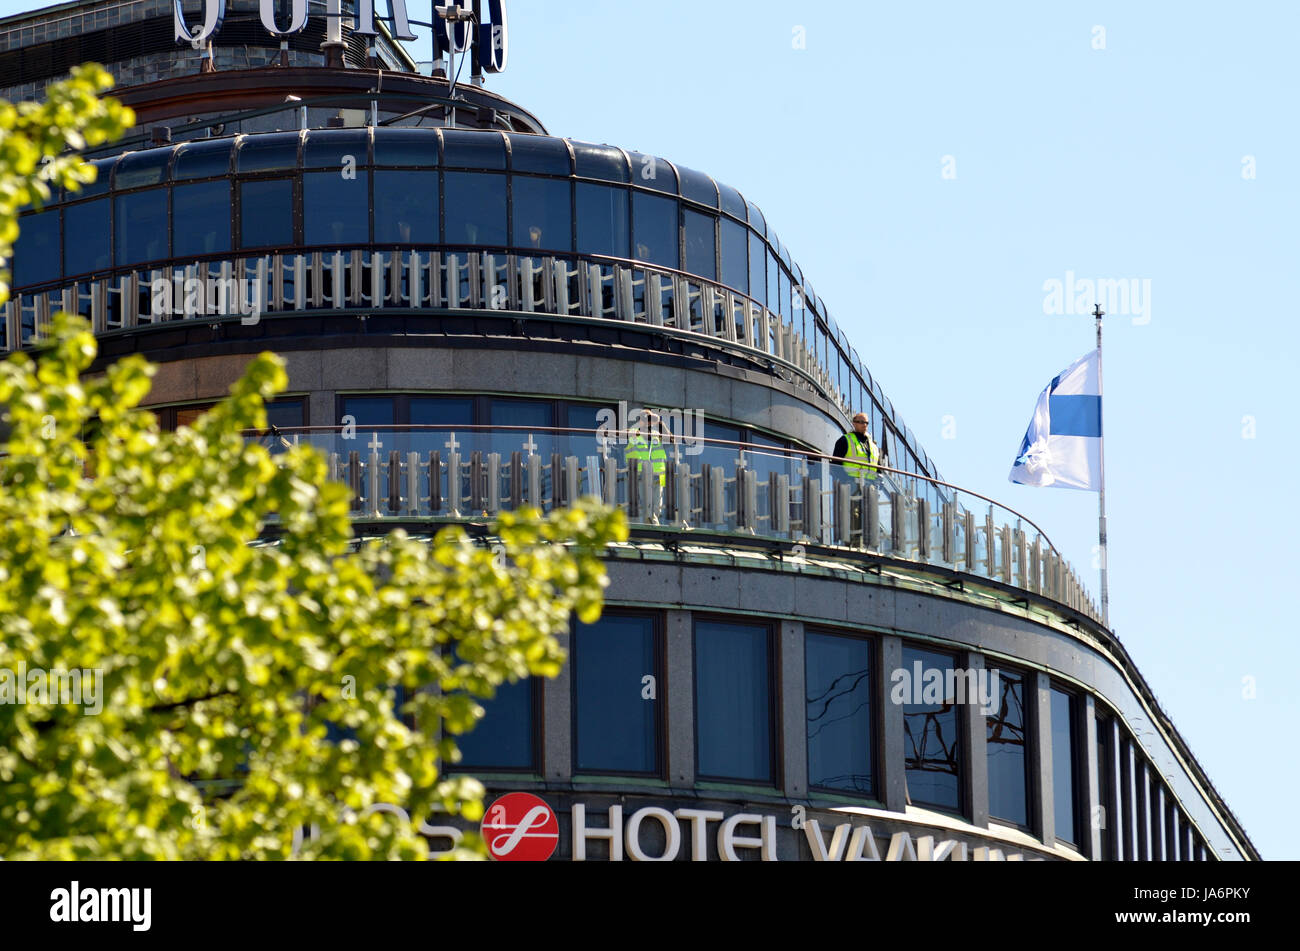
<point x="448" y="36"/>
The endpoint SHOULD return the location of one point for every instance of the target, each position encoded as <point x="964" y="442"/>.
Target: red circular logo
<point x="519" y="827"/>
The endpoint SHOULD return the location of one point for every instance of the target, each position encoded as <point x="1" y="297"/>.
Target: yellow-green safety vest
<point x="638" y="448"/>
<point x="868" y="452"/>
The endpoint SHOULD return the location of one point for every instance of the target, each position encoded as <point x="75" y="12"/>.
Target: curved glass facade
<point x="404" y="188"/>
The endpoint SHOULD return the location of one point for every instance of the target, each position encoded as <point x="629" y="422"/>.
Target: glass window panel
<point x="582" y="415"/>
<point x="336" y="209"/>
<point x="406" y="147"/>
<point x="89" y="249"/>
<point x="783" y="301"/>
<point x="758" y="439"/>
<point x="463" y="148"/>
<point x="932" y="739"/>
<point x="503" y="739"/>
<point x="1007" y="748"/>
<point x="698" y="187"/>
<point x="202" y="159"/>
<point x="701" y="245"/>
<point x="335" y="148"/>
<point x="140" y="226"/>
<point x="602" y="220"/>
<point x="651" y="172"/>
<point x="475" y="209"/>
<point x="370" y="410"/>
<point x="189" y="415"/>
<point x="838" y="693"/>
<point x="201" y="218"/>
<point x="617" y="730"/>
<point x="442" y="411"/>
<point x="756" y="219"/>
<point x="757" y="269"/>
<point x="285" y="413"/>
<point x="733" y="717"/>
<point x="773" y="284"/>
<point x="541" y="154"/>
<point x="406" y="207"/>
<point x="36" y="252"/>
<point x="266" y="212"/>
<point x="543" y="214"/>
<point x="103" y="179"/>
<point x="261" y="153"/>
<point x="732" y="202"/>
<point x="654" y="229"/>
<point x="142" y="168"/>
<point x="1063" y="764"/>
<point x="507" y="412"/>
<point x="600" y="161"/>
<point x="714" y="430"/>
<point x="735" y="264"/>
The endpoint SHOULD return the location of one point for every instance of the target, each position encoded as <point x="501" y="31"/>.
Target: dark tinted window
<point x="654" y="226"/>
<point x="701" y="246"/>
<point x="475" y="208"/>
<point x="202" y="159"/>
<point x="602" y="220"/>
<point x="142" y="168"/>
<point x="732" y="203"/>
<point x="651" y="172"/>
<point x="1006" y="746"/>
<point x="543" y="216"/>
<point x="285" y="413"/>
<point x="336" y="148"/>
<point x="335" y="208"/>
<point x="201" y="218"/>
<point x="508" y="412"/>
<point x="1063" y="764"/>
<point x="503" y="739"/>
<point x="616" y="721"/>
<point x="370" y="410"/>
<point x="260" y="153"/>
<point x="103" y="179"/>
<point x="86" y="245"/>
<point x="442" y="411"/>
<point x="36" y="252"/>
<point x="406" y="147"/>
<point x="733" y="715"/>
<point x="757" y="269"/>
<point x="932" y="741"/>
<point x="406" y="207"/>
<point x="838" y="692"/>
<point x="1105" y="787"/>
<point x="140" y="226"/>
<point x="698" y="187"/>
<point x="600" y="161"/>
<point x="735" y="264"/>
<point x="531" y="153"/>
<point x="462" y="148"/>
<point x="266" y="210"/>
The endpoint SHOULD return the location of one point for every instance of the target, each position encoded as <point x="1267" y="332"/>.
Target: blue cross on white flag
<point x="1063" y="444"/>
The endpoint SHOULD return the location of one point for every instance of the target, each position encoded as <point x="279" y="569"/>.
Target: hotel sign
<point x="524" y="827"/>
<point x="447" y="36"/>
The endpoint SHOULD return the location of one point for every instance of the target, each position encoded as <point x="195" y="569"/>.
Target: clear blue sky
<point x="1124" y="162"/>
<point x="1118" y="163"/>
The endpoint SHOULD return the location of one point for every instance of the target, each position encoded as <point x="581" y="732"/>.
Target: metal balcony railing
<point x="427" y="472"/>
<point x="365" y="280"/>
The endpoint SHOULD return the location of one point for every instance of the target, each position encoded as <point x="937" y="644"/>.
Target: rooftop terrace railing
<point x="366" y="280"/>
<point x="710" y="486"/>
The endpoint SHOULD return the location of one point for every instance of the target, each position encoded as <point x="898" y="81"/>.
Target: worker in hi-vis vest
<point x="645" y="443"/>
<point x="858" y="450"/>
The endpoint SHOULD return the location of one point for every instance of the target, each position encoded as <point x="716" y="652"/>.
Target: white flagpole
<point x="1101" y="497"/>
